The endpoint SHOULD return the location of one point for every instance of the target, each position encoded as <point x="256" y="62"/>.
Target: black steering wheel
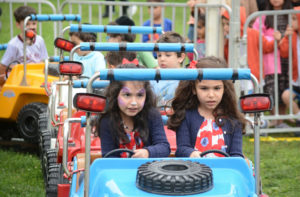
<point x="118" y="151"/>
<point x="84" y="77"/>
<point x="214" y="151"/>
<point x="9" y="68"/>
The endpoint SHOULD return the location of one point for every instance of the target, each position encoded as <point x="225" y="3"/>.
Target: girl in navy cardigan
<point x="206" y="115"/>
<point x="131" y="120"/>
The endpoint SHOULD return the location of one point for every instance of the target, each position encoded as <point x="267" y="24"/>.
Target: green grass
<point x="20" y="173"/>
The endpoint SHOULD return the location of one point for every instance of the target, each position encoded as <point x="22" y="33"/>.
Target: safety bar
<point x="3" y="46"/>
<point x="55" y="17"/>
<point x="100" y="46"/>
<point x="116" y="29"/>
<point x="175" y="74"/>
<point x="96" y="84"/>
<point x="57" y="58"/>
<point x="65" y="143"/>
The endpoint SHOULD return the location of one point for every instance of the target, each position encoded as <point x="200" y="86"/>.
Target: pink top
<point x="268" y="58"/>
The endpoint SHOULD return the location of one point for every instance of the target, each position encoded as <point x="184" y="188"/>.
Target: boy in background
<point x="36" y="50"/>
<point x="92" y="61"/>
<point x="165" y="89"/>
<point x="157" y="21"/>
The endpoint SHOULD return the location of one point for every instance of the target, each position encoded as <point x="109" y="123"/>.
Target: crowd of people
<point x="201" y="117"/>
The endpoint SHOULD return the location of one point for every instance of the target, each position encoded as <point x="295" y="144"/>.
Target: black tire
<point x="27" y="121"/>
<point x="55" y="177"/>
<point x="44" y="145"/>
<point x="49" y="160"/>
<point x="174" y="177"/>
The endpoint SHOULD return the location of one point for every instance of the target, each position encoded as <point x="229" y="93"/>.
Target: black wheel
<point x="56" y="176"/>
<point x="174" y="177"/>
<point x="117" y="152"/>
<point x="27" y="121"/>
<point x="44" y="145"/>
<point x="49" y="160"/>
<point x="214" y="151"/>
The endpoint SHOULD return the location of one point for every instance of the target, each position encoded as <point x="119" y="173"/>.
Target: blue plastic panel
<point x="174" y="74"/>
<point x="115" y="29"/>
<point x="57" y="58"/>
<point x="175" y="47"/>
<point x="55" y="17"/>
<point x="116" y="177"/>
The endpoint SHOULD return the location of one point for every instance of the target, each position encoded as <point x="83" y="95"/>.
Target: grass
<point x="20" y="173"/>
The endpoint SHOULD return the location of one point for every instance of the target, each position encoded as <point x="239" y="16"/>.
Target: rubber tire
<point x="27" y="121"/>
<point x="174" y="177"/>
<point x="50" y="160"/>
<point x="55" y="177"/>
<point x="44" y="145"/>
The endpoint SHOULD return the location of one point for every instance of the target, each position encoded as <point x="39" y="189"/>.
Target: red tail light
<point x="89" y="102"/>
<point x="70" y="68"/>
<point x="64" y="44"/>
<point x="256" y="103"/>
<point x="30" y="34"/>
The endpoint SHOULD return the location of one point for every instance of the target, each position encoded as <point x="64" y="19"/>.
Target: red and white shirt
<point x="210" y="136"/>
<point x="135" y="142"/>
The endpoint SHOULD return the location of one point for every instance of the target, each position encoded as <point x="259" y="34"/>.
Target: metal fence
<point x="244" y="63"/>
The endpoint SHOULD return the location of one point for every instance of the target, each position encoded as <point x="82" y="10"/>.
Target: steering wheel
<point x="84" y="77"/>
<point x="9" y="68"/>
<point x="118" y="151"/>
<point x="214" y="151"/>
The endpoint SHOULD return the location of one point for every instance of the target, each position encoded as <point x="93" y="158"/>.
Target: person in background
<point x="157" y="22"/>
<point x="164" y="90"/>
<point x="144" y="57"/>
<point x="115" y="58"/>
<point x="131" y="120"/>
<point x="92" y="61"/>
<point x="106" y="13"/>
<point x="36" y="50"/>
<point x="268" y="58"/>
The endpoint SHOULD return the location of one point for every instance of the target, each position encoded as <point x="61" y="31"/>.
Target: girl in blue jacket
<point x="206" y="115"/>
<point x="131" y="120"/>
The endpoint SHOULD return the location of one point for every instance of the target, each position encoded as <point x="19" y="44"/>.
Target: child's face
<point x="131" y="98"/>
<point x="209" y="93"/>
<point x="32" y="25"/>
<point x="225" y="23"/>
<point x="77" y="41"/>
<point x="200" y="31"/>
<point x="295" y="22"/>
<point x="169" y="59"/>
<point x="277" y="4"/>
<point x="156" y="12"/>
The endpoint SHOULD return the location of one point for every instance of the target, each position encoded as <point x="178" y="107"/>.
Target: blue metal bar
<point x="3" y="46"/>
<point x="118" y="29"/>
<point x="175" y="74"/>
<point x="172" y="47"/>
<point x="96" y="84"/>
<point x="57" y="59"/>
<point x="55" y="17"/>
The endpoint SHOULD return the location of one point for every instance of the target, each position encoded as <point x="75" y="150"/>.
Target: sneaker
<point x="282" y="126"/>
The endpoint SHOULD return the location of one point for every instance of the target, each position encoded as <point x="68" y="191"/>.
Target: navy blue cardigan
<point x="157" y="144"/>
<point x="187" y="133"/>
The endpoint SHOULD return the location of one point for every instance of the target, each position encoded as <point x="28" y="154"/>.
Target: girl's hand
<point x="195" y="154"/>
<point x="277" y="35"/>
<point x="289" y="31"/>
<point x="140" y="153"/>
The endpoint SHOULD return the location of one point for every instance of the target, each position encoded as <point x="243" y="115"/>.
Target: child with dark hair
<point x="164" y="90"/>
<point x="200" y="45"/>
<point x="36" y="50"/>
<point x="157" y="22"/>
<point x="145" y="58"/>
<point x="131" y="120"/>
<point x="92" y="61"/>
<point x="115" y="58"/>
<point x="206" y="115"/>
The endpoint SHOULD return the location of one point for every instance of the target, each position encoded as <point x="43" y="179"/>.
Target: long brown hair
<point x="185" y="99"/>
<point x="113" y="111"/>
